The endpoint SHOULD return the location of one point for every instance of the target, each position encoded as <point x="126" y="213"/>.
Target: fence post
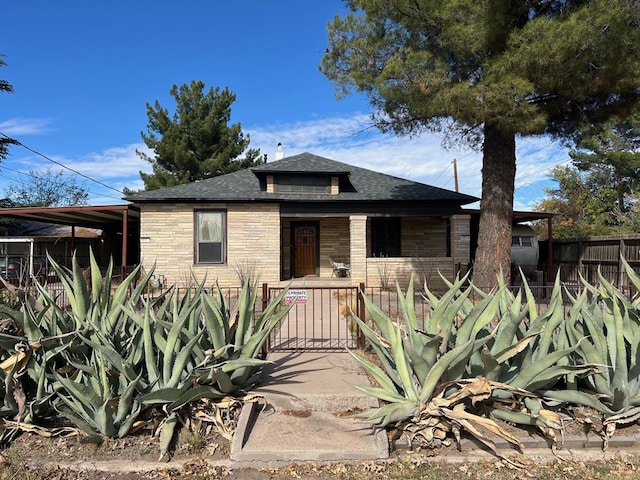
<point x="360" y="340"/>
<point x="265" y="302"/>
<point x="265" y="296"/>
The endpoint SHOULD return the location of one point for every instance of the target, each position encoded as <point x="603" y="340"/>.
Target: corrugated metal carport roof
<point x="85" y="216"/>
<point x="118" y="217"/>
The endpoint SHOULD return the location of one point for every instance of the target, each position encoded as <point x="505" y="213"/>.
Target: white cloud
<point x="114" y="163"/>
<point x="24" y="126"/>
<point x="421" y="158"/>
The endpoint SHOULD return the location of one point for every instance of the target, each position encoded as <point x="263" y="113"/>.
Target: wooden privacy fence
<point x="584" y="257"/>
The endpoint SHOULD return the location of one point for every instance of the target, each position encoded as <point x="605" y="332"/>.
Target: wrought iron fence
<point x="320" y="318"/>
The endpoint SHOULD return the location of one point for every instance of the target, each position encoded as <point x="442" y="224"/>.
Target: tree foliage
<point x="598" y="194"/>
<point x="47" y="188"/>
<point x="5" y="141"/>
<point x="196" y="142"/>
<point x="610" y="153"/>
<point x="488" y="70"/>
<point x="583" y="205"/>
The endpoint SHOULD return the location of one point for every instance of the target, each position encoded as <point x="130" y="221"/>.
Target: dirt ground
<point x="201" y="452"/>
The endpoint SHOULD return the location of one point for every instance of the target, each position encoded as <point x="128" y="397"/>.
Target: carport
<point x="120" y="220"/>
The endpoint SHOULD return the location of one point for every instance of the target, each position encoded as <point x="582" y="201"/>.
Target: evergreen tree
<point x="5" y="141"/>
<point x="610" y="154"/>
<point x="489" y="70"/>
<point x="197" y="142"/>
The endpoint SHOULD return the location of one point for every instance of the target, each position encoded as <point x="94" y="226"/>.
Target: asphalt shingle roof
<point x="244" y="185"/>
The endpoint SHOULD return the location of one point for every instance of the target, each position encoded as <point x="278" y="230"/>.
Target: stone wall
<point x="385" y="272"/>
<point x="424" y="237"/>
<point x="253" y="242"/>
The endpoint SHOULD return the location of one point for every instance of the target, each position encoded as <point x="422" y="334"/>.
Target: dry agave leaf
<point x="16" y="361"/>
<point x="213" y="412"/>
<point x="42" y="431"/>
<point x="471" y="421"/>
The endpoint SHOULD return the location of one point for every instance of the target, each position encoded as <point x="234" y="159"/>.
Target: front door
<point x="305" y="249"/>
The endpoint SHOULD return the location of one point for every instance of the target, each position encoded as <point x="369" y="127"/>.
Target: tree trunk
<point x="496" y="208"/>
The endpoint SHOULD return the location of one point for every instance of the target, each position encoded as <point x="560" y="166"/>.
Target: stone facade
<point x="385" y="272"/>
<point x="167" y="239"/>
<point x="358" y="224"/>
<point x="258" y="241"/>
<point x="430" y="246"/>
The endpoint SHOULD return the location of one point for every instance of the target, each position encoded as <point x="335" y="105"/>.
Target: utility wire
<point x="442" y="172"/>
<point x="17" y="142"/>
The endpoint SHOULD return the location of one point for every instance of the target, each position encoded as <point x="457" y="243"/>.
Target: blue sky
<point x="83" y="72"/>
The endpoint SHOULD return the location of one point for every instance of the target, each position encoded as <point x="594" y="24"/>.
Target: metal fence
<point x="322" y="318"/>
<point x="541" y="278"/>
<point x="319" y="318"/>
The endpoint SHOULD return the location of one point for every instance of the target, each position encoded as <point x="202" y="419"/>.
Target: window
<point x="521" y="241"/>
<point x="210" y="237"/>
<point x="385" y="237"/>
<point x="303" y="183"/>
<point x="526" y="241"/>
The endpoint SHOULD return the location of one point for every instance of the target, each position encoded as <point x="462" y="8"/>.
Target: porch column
<point x="358" y="248"/>
<point x="460" y="239"/>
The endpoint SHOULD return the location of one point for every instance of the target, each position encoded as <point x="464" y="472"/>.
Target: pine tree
<point x="489" y="70"/>
<point x="5" y="141"/>
<point x="197" y="142"/>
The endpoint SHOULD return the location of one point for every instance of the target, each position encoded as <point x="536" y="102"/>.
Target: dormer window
<point x="294" y="183"/>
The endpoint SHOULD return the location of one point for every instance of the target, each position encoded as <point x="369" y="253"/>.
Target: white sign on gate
<point x="295" y="296"/>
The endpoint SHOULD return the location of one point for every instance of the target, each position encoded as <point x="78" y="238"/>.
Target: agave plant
<point x="93" y="366"/>
<point x="418" y="369"/>
<point x="233" y="362"/>
<point x="99" y="402"/>
<point x="30" y="349"/>
<point x="196" y="347"/>
<point x="500" y="338"/>
<point x="609" y="322"/>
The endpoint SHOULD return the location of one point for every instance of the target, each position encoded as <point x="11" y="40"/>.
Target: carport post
<point x="125" y="224"/>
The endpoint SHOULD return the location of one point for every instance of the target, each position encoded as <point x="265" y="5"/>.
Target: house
<point x="25" y="246"/>
<point x="294" y="216"/>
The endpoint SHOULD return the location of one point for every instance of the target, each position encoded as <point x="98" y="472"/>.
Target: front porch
<point x="379" y="250"/>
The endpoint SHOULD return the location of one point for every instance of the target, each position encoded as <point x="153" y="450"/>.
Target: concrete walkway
<point x="310" y="399"/>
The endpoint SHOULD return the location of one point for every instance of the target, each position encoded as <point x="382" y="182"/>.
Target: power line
<point x="17" y="142"/>
<point x="441" y="173"/>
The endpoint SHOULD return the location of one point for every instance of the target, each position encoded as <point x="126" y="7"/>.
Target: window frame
<point x="198" y="224"/>
<point x="524" y="241"/>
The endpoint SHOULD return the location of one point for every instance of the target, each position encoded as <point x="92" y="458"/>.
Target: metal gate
<point x="321" y="318"/>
